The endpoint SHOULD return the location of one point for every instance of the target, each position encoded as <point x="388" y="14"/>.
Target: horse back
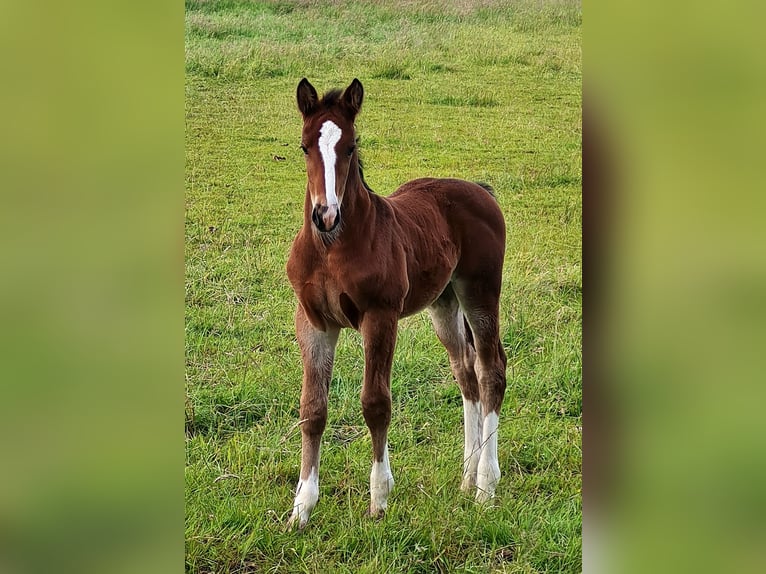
<point x="466" y="211"/>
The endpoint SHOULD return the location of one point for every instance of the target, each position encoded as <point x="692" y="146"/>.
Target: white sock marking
<point x="306" y="496"/>
<point x="472" y="451"/>
<point x="381" y="483"/>
<point x="329" y="135"/>
<point x="488" y="472"/>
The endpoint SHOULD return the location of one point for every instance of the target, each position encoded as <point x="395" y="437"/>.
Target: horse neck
<point x="356" y="197"/>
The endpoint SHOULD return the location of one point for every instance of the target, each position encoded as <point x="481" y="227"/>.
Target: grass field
<point x="482" y="90"/>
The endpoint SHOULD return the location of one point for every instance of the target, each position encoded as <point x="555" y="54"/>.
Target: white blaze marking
<point x="306" y="496"/>
<point x="329" y="135"/>
<point x="488" y="472"/>
<point x="472" y="450"/>
<point x="381" y="483"/>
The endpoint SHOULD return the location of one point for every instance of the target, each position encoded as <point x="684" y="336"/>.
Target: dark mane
<point x="361" y="168"/>
<point x="331" y="98"/>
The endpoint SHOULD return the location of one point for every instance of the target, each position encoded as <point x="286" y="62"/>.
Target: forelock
<point x="331" y="98"/>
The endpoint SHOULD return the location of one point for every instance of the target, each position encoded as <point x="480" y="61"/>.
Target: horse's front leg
<point x="379" y="334"/>
<point x="317" y="352"/>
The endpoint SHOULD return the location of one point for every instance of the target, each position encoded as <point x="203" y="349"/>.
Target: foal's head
<point x="329" y="143"/>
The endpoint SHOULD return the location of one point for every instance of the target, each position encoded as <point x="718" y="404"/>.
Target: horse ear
<point x="353" y="96"/>
<point x="307" y="97"/>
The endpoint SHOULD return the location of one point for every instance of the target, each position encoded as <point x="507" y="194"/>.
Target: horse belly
<point x="426" y="285"/>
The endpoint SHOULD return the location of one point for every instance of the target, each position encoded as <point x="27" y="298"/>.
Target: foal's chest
<point x="324" y="297"/>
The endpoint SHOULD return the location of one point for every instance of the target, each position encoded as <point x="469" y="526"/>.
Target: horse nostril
<point x="325" y="217"/>
<point x="315" y="217"/>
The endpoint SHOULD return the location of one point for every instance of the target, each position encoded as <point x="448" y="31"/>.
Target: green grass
<point x="483" y="90"/>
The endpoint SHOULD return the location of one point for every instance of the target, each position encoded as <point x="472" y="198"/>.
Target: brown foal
<point x="363" y="261"/>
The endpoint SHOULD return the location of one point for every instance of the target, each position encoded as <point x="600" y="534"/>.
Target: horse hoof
<point x="295" y="522"/>
<point x="483" y="496"/>
<point x="377" y="514"/>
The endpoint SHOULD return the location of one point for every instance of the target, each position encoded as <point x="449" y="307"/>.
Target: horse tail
<point x="488" y="188"/>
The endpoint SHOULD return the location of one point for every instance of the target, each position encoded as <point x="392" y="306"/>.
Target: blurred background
<point x="91" y="287"/>
<point x="674" y="242"/>
<point x="91" y="300"/>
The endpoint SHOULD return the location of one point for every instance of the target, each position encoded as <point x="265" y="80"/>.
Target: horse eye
<point x="351" y="150"/>
<point x="305" y="151"/>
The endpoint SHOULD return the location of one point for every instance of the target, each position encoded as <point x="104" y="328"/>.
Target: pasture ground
<point x="482" y="90"/>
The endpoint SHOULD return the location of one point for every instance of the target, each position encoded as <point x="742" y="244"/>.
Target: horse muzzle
<point x="325" y="217"/>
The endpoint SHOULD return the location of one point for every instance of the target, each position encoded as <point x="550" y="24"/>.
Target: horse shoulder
<point x="298" y="267"/>
<point x="374" y="274"/>
<point x="302" y="273"/>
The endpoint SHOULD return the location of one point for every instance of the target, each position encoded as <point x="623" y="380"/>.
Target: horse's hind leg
<point x="450" y="327"/>
<point x="479" y="301"/>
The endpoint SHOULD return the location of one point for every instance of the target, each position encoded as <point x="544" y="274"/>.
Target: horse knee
<point x="376" y="408"/>
<point x="313" y="418"/>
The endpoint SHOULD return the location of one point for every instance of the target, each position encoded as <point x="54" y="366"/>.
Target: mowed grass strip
<point x="481" y="90"/>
